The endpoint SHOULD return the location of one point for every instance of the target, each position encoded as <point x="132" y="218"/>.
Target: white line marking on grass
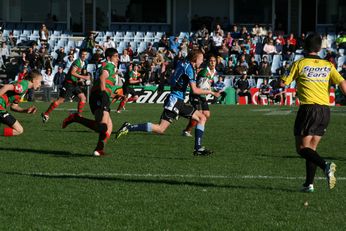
<point x="73" y="110"/>
<point x="150" y="175"/>
<point x="278" y="113"/>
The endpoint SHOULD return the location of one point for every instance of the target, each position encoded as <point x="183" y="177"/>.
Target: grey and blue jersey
<point x="183" y="75"/>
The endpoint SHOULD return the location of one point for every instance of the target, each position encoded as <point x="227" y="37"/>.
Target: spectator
<point x="220" y="67"/>
<point x="264" y="69"/>
<point x="224" y="51"/>
<point x="89" y="42"/>
<point x="234" y="32"/>
<point x="291" y="43"/>
<point x="244" y="33"/>
<point x="201" y="33"/>
<point x="219" y="86"/>
<point x="174" y="44"/>
<point x="277" y="93"/>
<point x="264" y="90"/>
<point x="129" y="50"/>
<point x="109" y="43"/>
<point x="70" y="60"/>
<point x="253" y="66"/>
<point x="11" y="40"/>
<point x="268" y="37"/>
<point x="184" y="47"/>
<point x="256" y="30"/>
<point x="235" y="49"/>
<point x="60" y="57"/>
<point x="59" y="78"/>
<point x="4" y="52"/>
<point x="47" y="83"/>
<point x="269" y="48"/>
<point x="125" y="59"/>
<point x="23" y="73"/>
<point x="242" y="86"/>
<point x="228" y="40"/>
<point x="284" y="70"/>
<point x="163" y="42"/>
<point x="300" y="42"/>
<point x="150" y="51"/>
<point x="229" y="68"/>
<point x="219" y="30"/>
<point x="23" y="60"/>
<point x="324" y="44"/>
<point x="217" y="42"/>
<point x="32" y="57"/>
<point x="44" y="34"/>
<point x="341" y="41"/>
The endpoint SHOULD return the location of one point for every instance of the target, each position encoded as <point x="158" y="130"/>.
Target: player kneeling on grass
<point x="174" y="105"/>
<point x="10" y="95"/>
<point x="314" y="77"/>
<point x="99" y="102"/>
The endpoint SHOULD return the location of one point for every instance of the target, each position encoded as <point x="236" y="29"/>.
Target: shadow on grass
<point x="330" y="158"/>
<point x="44" y="152"/>
<point x="137" y="179"/>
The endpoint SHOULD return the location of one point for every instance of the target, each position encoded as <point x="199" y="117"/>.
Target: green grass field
<point x="50" y="181"/>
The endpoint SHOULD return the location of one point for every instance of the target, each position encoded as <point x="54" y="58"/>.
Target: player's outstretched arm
<point x="6" y="88"/>
<point x="30" y="110"/>
<point x="199" y="91"/>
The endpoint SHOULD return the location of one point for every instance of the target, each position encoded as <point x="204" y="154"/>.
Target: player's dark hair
<point x="193" y="54"/>
<point x="110" y="52"/>
<point x="82" y="50"/>
<point x="313" y="43"/>
<point x="32" y="74"/>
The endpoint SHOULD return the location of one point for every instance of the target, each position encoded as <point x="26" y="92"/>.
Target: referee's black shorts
<point x="312" y="119"/>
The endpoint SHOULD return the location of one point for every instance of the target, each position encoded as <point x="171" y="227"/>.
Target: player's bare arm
<point x="6" y="88"/>
<point x="75" y="74"/>
<point x="16" y="108"/>
<point x="199" y="91"/>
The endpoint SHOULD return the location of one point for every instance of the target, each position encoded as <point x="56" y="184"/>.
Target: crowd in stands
<point x="256" y="51"/>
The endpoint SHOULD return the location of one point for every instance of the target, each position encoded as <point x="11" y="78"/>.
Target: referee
<point x="313" y="76"/>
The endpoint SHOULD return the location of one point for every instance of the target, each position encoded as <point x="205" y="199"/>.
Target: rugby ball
<point x="204" y="84"/>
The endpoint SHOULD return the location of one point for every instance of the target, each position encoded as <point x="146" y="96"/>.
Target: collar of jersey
<point x="312" y="57"/>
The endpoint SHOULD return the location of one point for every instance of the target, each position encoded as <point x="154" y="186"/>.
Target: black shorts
<point x="312" y="119"/>
<point x="129" y="90"/>
<point x="7" y="118"/>
<point x="199" y="103"/>
<point x="68" y="90"/>
<point x="174" y="107"/>
<point x="95" y="103"/>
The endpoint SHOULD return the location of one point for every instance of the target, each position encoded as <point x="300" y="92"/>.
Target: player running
<point x="100" y="98"/>
<point x="174" y="106"/>
<point x="132" y="77"/>
<point x="10" y="95"/>
<point x="314" y="77"/>
<point x="71" y="86"/>
<point x="199" y="102"/>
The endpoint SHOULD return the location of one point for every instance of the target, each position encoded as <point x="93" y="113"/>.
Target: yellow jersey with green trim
<point x="313" y="76"/>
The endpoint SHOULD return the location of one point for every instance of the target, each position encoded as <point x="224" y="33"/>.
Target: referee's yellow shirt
<point x="313" y="76"/>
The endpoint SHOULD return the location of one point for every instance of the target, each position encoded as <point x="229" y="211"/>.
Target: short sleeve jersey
<point x="14" y="96"/>
<point x="207" y="75"/>
<point x="79" y="64"/>
<point x="111" y="81"/>
<point x="313" y="76"/>
<point x="184" y="75"/>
